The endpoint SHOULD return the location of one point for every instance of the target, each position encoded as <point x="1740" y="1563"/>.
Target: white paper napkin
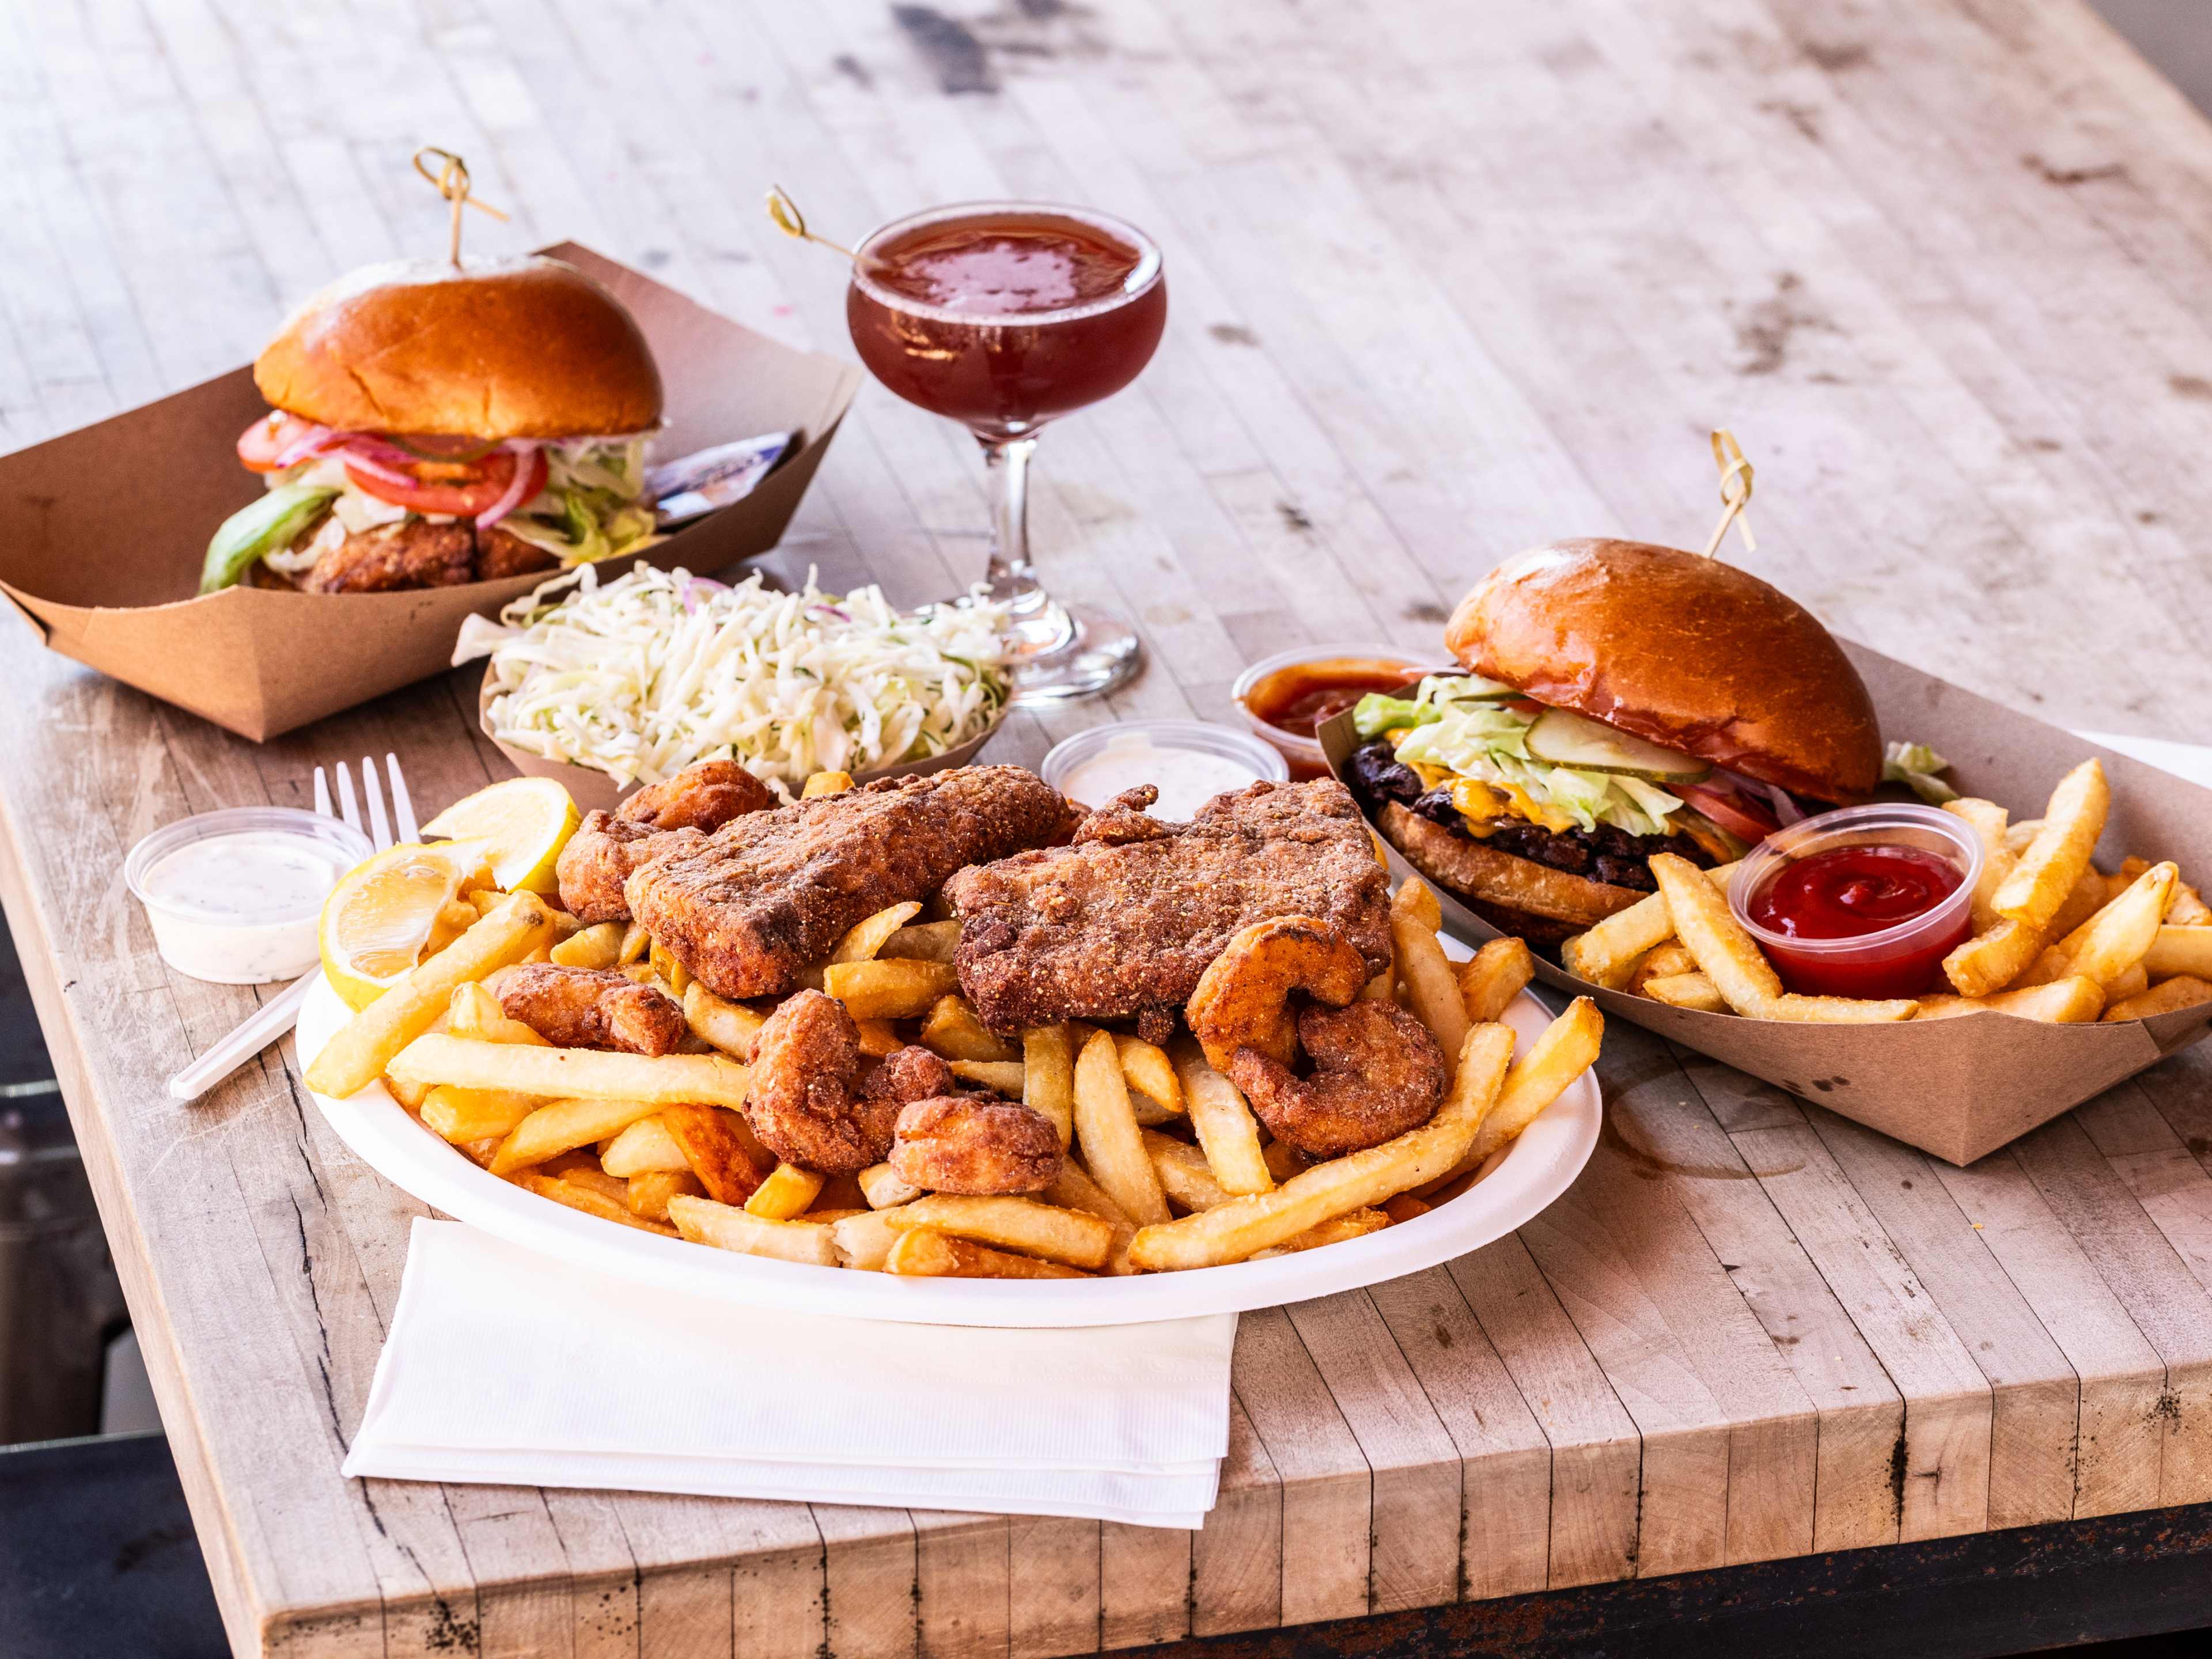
<point x="2192" y="760"/>
<point x="506" y="1367"/>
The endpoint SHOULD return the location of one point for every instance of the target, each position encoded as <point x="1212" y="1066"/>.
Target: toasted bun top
<point x="526" y="348"/>
<point x="1687" y="652"/>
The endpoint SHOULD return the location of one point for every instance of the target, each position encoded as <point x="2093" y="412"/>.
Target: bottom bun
<point x="1513" y="894"/>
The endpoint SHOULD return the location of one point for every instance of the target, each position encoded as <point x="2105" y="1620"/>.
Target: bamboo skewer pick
<point x="452" y="180"/>
<point x="1735" y="492"/>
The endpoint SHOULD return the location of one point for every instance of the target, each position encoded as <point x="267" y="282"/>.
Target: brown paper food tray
<point x="106" y="527"/>
<point x="595" y="791"/>
<point x="1957" y="1088"/>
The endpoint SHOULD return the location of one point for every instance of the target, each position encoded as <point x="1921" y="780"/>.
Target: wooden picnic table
<point x="1448" y="279"/>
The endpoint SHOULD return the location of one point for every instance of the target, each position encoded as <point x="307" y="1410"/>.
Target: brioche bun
<point x="1686" y="651"/>
<point x="528" y="348"/>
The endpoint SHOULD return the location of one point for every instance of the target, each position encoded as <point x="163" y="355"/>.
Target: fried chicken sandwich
<point x="1621" y="699"/>
<point x="438" y="423"/>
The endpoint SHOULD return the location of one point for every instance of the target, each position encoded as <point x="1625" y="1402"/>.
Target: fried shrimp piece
<point x="705" y="796"/>
<point x="966" y="1144"/>
<point x="590" y="1008"/>
<point x="1243" y="999"/>
<point x="1377" y="1072"/>
<point x="804" y="1101"/>
<point x="909" y="1074"/>
<point x="661" y="818"/>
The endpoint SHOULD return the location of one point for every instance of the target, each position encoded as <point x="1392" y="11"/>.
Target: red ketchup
<point x="1855" y="892"/>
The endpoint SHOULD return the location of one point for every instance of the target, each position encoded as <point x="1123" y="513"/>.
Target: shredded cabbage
<point x="1455" y="726"/>
<point x="647" y="673"/>
<point x="1915" y="765"/>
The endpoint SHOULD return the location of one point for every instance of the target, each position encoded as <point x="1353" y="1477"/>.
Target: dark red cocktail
<point x="1003" y="316"/>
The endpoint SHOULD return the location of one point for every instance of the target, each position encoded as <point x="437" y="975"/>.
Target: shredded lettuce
<point x="1456" y="726"/>
<point x="1376" y="713"/>
<point x="1916" y="765"/>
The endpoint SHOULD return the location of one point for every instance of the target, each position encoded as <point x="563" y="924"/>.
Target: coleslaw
<point x="642" y="675"/>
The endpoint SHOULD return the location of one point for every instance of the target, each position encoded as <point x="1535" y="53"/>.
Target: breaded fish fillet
<point x="608" y="845"/>
<point x="749" y="908"/>
<point x="1123" y="923"/>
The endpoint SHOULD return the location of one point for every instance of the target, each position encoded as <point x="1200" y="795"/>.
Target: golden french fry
<point x="703" y="1221"/>
<point x="1185" y="1175"/>
<point x="879" y="1037"/>
<point x="2178" y="951"/>
<point x="481" y="1153"/>
<point x="1049" y="1076"/>
<point x="786" y="1192"/>
<point x="1011" y="1223"/>
<point x="1842" y="1011"/>
<point x="826" y="783"/>
<point x="562" y="1125"/>
<point x="651" y="1080"/>
<point x="2121" y="935"/>
<point x="1987" y="820"/>
<point x="1990" y="960"/>
<point x="2181" y="990"/>
<point x="1243" y="1226"/>
<point x="635" y="942"/>
<point x="721" y="1149"/>
<point x="474" y="1113"/>
<point x="2055" y="861"/>
<point x="864" y="938"/>
<point x="1106" y="1130"/>
<point x="1431" y="988"/>
<point x="598" y="947"/>
<point x="590" y="1175"/>
<point x="920" y="1253"/>
<point x="1660" y="962"/>
<point x="1072" y="1188"/>
<point x="665" y="968"/>
<point x="924" y="941"/>
<point x="1003" y="1077"/>
<point x="890" y="987"/>
<point x="2060" y="1002"/>
<point x="1352" y="1223"/>
<point x="952" y="1031"/>
<point x="864" y="1241"/>
<point x="1567" y="1048"/>
<point x="883" y="1189"/>
<point x="2018" y="836"/>
<point x="484" y="900"/>
<point x="1380" y="988"/>
<point x="1691" y="990"/>
<point x="1725" y="952"/>
<point x="1152" y="1079"/>
<point x="644" y="1148"/>
<point x="2131" y="981"/>
<point x="730" y="1026"/>
<point x="589" y="1200"/>
<point x="2187" y="908"/>
<point x="366" y="1044"/>
<point x="651" y="1189"/>
<point x="1405" y="1207"/>
<point x="476" y="1013"/>
<point x="2088" y="898"/>
<point x="1283" y="1161"/>
<point x="1227" y="1131"/>
<point x="1606" y="953"/>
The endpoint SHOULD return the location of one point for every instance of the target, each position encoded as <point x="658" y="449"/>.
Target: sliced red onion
<point x="1786" y="810"/>
<point x="519" y="488"/>
<point x="318" y="439"/>
<point x="358" y="452"/>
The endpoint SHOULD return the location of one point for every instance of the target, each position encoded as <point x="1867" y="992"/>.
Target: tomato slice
<point x="260" y="444"/>
<point x="478" y="489"/>
<point x="1733" y="812"/>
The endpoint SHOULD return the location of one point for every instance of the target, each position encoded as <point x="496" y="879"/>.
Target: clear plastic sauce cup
<point x="1287" y="697"/>
<point x="236" y="896"/>
<point x="1877" y="869"/>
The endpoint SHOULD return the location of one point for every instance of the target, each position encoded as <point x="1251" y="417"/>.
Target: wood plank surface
<point x="1447" y="280"/>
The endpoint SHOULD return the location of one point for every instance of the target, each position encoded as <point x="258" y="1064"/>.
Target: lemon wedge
<point x="380" y="916"/>
<point x="524" y="821"/>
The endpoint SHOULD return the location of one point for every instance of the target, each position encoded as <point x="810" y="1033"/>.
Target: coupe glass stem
<point x="1036" y="621"/>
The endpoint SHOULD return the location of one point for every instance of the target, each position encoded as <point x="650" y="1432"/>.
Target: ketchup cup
<point x="1901" y="960"/>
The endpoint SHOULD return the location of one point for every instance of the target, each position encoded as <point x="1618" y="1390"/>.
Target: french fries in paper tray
<point x="1164" y="1166"/>
<point x="2090" y="958"/>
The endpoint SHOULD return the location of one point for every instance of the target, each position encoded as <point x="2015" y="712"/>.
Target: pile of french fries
<point x="1167" y="1167"/>
<point x="2054" y="937"/>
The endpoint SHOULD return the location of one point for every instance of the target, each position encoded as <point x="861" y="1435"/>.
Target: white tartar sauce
<point x="240" y="909"/>
<point x="1186" y="778"/>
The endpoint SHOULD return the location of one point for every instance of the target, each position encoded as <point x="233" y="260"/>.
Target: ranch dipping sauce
<point x="236" y="896"/>
<point x="1189" y="761"/>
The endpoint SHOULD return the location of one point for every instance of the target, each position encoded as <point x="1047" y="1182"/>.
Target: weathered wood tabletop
<point x="1448" y="279"/>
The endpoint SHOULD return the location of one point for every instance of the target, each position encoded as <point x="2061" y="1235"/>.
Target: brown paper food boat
<point x="594" y="790"/>
<point x="1957" y="1088"/>
<point x="106" y="527"/>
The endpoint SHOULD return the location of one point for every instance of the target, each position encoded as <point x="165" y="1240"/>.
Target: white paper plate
<point x="1542" y="1163"/>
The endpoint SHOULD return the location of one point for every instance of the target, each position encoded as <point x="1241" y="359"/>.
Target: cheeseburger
<point x="438" y="423"/>
<point x="1620" y="700"/>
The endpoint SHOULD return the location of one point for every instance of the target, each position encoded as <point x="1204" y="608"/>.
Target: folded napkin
<point x="2192" y="760"/>
<point x="510" y="1368"/>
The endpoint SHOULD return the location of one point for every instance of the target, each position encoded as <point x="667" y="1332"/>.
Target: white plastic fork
<point x="281" y="1012"/>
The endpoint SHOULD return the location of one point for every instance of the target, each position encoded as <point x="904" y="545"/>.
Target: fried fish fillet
<point x="748" y="909"/>
<point x="608" y="845"/>
<point x="590" y="1008"/>
<point x="1123" y="923"/>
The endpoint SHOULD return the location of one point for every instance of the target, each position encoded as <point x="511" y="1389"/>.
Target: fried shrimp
<point x="966" y="1144"/>
<point x="806" y="1101"/>
<point x="909" y="1074"/>
<point x="1243" y="999"/>
<point x="1376" y="1074"/>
